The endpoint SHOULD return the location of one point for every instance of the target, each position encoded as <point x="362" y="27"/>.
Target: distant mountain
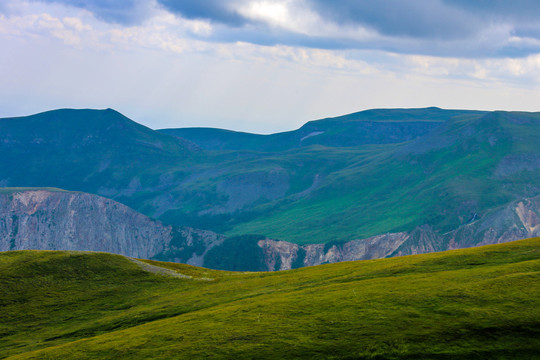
<point x="446" y="179"/>
<point x="380" y="126"/>
<point x="463" y="168"/>
<point x="82" y="149"/>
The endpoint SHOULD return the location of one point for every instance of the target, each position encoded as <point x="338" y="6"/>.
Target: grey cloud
<point x="414" y="18"/>
<point x="502" y="10"/>
<point x="527" y="30"/>
<point x="461" y="28"/>
<point x="214" y="10"/>
<point x="6" y="7"/>
<point x="126" y="12"/>
<point x="411" y="18"/>
<point x="434" y="19"/>
<point x="129" y="12"/>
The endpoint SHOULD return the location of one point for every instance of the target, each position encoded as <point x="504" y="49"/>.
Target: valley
<point x="408" y="180"/>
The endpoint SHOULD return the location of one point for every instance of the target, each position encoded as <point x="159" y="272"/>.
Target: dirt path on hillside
<point x="159" y="270"/>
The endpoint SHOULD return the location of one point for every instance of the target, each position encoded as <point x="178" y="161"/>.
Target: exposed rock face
<point x="290" y="255"/>
<point x="370" y="248"/>
<point x="518" y="220"/>
<point x="421" y="240"/>
<point x="282" y="253"/>
<point x="190" y="246"/>
<point x="77" y="221"/>
<point x="57" y="220"/>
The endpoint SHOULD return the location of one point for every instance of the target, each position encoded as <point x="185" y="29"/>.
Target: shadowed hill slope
<point x="82" y="149"/>
<point x="463" y="304"/>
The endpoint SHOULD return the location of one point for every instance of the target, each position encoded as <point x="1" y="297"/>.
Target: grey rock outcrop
<point x="61" y="220"/>
<point x="518" y="220"/>
<point x="290" y="256"/>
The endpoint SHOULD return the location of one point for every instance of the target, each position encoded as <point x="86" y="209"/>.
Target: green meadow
<point x="479" y="303"/>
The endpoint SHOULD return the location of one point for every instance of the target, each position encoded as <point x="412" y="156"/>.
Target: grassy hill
<point x="465" y="304"/>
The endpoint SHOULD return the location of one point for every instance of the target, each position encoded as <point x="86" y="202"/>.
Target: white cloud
<point x="273" y="12"/>
<point x="76" y="24"/>
<point x="163" y="31"/>
<point x="297" y="17"/>
<point x="518" y="71"/>
<point x="43" y="26"/>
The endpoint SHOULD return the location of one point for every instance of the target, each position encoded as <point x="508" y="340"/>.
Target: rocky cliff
<point x="518" y="220"/>
<point x="61" y="220"/>
<point x="282" y="255"/>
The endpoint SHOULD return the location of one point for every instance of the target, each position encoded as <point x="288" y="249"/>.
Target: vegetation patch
<point x="464" y="304"/>
<point x="237" y="253"/>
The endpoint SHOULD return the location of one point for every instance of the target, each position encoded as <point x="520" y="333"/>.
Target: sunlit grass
<point x="473" y="303"/>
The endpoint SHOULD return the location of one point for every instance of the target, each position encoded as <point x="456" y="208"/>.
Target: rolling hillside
<point x="463" y="304"/>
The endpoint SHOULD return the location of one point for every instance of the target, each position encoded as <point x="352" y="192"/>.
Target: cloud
<point x="174" y="69"/>
<point x="127" y="12"/>
<point x="483" y="28"/>
<point x="444" y="28"/>
<point x="219" y="11"/>
<point x="410" y="18"/>
<point x="503" y="9"/>
<point x="67" y="29"/>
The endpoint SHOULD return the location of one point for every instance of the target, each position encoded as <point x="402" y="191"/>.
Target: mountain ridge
<point x="375" y="126"/>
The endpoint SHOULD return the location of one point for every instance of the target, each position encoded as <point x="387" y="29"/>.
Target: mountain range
<point x="372" y="184"/>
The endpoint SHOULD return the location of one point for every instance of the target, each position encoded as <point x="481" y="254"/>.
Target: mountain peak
<point x="97" y="141"/>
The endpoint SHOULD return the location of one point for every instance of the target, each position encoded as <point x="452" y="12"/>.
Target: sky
<point x="266" y="66"/>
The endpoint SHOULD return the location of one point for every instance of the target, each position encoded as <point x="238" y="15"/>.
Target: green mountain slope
<point x="446" y="179"/>
<point x="378" y="126"/>
<point x="465" y="304"/>
<point x="83" y="150"/>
